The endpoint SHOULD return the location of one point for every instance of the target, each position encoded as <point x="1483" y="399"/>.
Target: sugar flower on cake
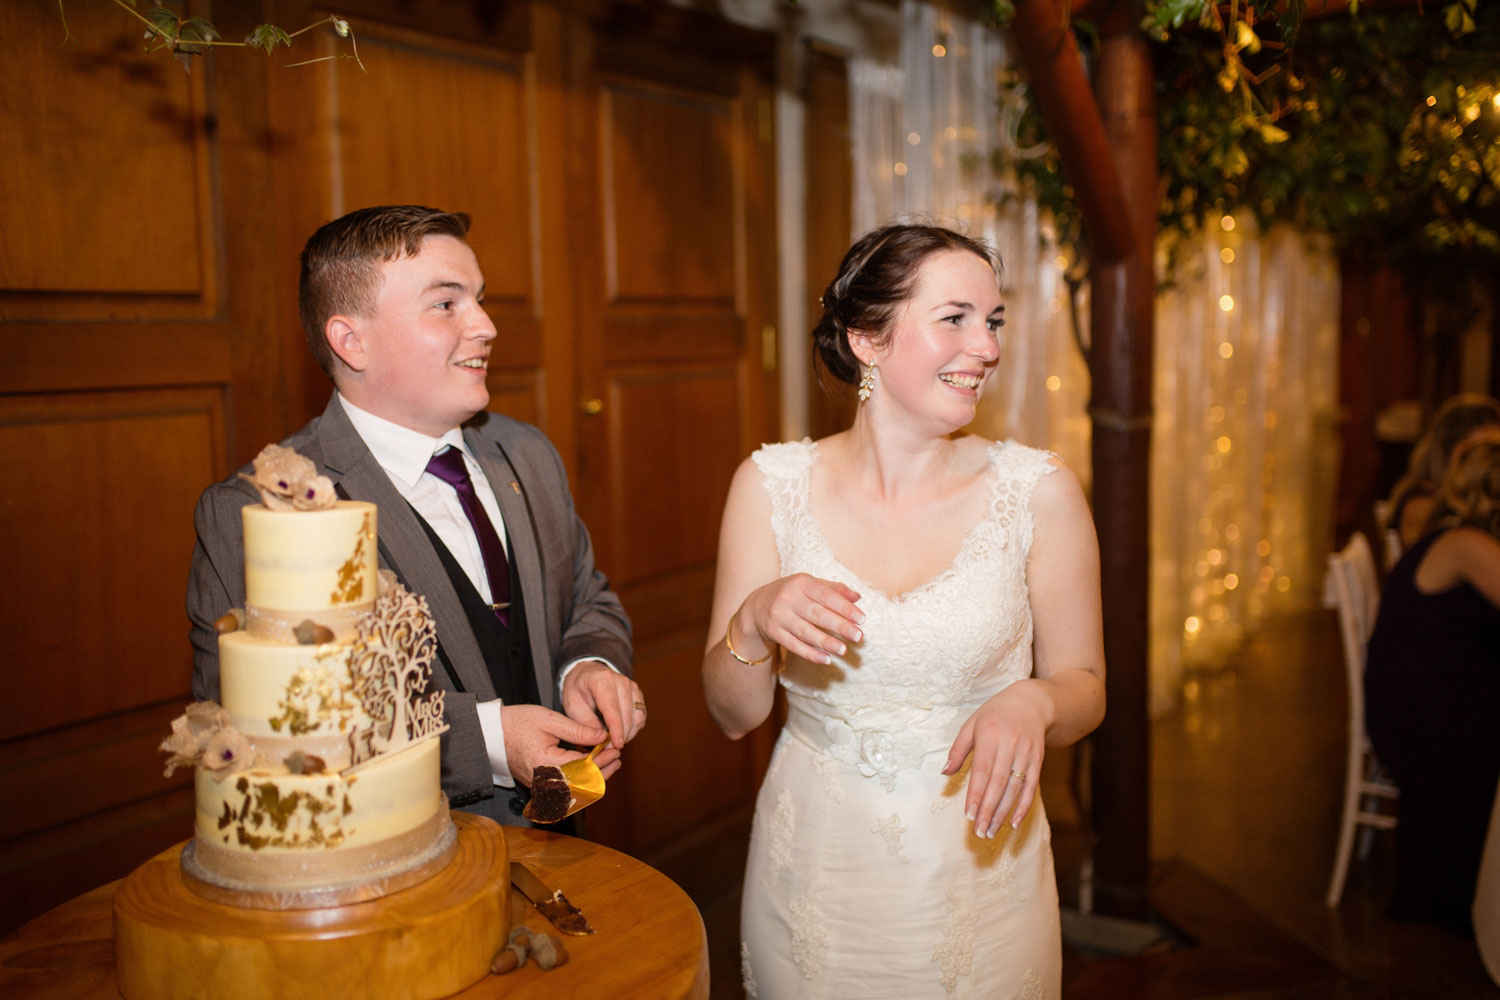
<point x="204" y="737"/>
<point x="288" y="481"/>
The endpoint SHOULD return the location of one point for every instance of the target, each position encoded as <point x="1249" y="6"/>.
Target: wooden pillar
<point x="1123" y="293"/>
<point x="1107" y="142"/>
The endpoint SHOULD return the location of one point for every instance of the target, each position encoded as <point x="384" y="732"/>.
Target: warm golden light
<point x="1231" y="581"/>
<point x="1284" y="583"/>
<point x="1226" y="302"/>
<point x="1192" y="625"/>
<point x="1431" y="101"/>
<point x="913" y="139"/>
<point x="1227" y="223"/>
<point x="1223" y="444"/>
<point x="1226" y="350"/>
<point x="939" y="50"/>
<point x="899" y="170"/>
<point x="1263" y="547"/>
<point x="1227" y="255"/>
<point x="1053" y="383"/>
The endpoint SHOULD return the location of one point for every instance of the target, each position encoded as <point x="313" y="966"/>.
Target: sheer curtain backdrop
<point x="1246" y="385"/>
<point x="923" y="133"/>
<point x="1244" y="447"/>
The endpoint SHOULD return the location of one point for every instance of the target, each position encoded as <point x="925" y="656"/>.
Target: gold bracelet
<point x="730" y="646"/>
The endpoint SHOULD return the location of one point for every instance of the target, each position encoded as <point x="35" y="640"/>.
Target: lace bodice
<point x="929" y="656"/>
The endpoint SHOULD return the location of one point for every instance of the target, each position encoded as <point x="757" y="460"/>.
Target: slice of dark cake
<point x="550" y="795"/>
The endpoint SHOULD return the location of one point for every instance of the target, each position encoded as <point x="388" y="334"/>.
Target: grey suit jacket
<point x="570" y="610"/>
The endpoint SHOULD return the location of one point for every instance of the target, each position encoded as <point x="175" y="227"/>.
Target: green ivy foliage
<point x="1380" y="130"/>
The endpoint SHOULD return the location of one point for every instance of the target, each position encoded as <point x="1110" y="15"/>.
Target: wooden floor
<point x="1246" y="782"/>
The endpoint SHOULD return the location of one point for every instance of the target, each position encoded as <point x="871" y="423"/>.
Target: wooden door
<point x="676" y="382"/>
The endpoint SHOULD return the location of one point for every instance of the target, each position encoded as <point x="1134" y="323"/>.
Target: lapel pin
<point x="515" y="487"/>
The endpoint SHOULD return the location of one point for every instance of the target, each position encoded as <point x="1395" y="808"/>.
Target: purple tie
<point x="448" y="465"/>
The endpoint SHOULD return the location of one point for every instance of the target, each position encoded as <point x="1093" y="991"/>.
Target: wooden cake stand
<point x="431" y="940"/>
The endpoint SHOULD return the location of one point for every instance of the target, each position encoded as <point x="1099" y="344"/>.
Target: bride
<point x="929" y="601"/>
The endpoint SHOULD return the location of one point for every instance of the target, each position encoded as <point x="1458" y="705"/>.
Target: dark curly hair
<point x="877" y="275"/>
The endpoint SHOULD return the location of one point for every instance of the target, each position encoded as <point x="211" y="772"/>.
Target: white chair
<point x="1353" y="588"/>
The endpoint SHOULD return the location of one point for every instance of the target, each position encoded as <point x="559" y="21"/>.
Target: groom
<point x="474" y="509"/>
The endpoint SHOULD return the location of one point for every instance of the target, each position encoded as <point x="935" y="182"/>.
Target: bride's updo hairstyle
<point x="877" y="275"/>
<point x="1470" y="494"/>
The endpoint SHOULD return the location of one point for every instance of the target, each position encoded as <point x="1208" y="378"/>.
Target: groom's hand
<point x="593" y="691"/>
<point x="532" y="735"/>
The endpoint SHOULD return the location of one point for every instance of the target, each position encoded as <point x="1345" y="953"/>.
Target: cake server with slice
<point x="550" y="903"/>
<point x="585" y="787"/>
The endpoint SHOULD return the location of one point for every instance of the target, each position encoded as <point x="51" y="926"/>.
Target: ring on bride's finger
<point x="640" y="706"/>
<point x="1018" y="774"/>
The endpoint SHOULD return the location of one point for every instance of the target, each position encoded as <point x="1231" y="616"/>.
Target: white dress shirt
<point x="404" y="453"/>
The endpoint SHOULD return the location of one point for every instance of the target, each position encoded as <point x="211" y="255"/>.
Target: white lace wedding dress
<point x="864" y="878"/>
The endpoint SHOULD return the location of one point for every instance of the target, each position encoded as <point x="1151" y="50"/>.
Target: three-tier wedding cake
<point x="317" y="776"/>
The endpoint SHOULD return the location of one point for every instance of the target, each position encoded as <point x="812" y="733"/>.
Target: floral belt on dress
<point x="879" y="742"/>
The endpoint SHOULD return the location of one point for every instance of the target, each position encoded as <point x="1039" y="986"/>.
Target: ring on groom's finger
<point x="1018" y="774"/>
<point x="640" y="706"/>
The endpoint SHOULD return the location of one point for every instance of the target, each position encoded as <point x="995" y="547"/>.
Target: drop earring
<point x="867" y="383"/>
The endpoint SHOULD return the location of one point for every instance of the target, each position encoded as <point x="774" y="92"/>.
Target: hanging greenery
<point x="189" y="37"/>
<point x="1380" y="129"/>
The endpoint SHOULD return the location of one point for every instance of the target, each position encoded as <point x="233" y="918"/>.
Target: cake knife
<point x="550" y="903"/>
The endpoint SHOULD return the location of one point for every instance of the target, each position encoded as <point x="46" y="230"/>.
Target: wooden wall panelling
<point x="102" y="498"/>
<point x="106" y="487"/>
<point x="133" y="323"/>
<point x="89" y="803"/>
<point x="564" y="186"/>
<point x="671" y="344"/>
<point x="104" y="193"/>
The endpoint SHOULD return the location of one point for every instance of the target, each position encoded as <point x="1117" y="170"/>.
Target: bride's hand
<point x="1007" y="735"/>
<point x="806" y="616"/>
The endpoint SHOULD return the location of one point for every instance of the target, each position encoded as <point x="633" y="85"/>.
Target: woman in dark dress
<point x="1432" y="690"/>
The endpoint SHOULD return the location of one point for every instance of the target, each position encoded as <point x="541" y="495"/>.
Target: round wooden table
<point x="649" y="938"/>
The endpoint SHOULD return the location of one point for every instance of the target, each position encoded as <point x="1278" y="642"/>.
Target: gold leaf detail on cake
<point x="288" y="481"/>
<point x="351" y="585"/>
<point x="297" y="819"/>
<point x="315" y="698"/>
<point x="391" y="668"/>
